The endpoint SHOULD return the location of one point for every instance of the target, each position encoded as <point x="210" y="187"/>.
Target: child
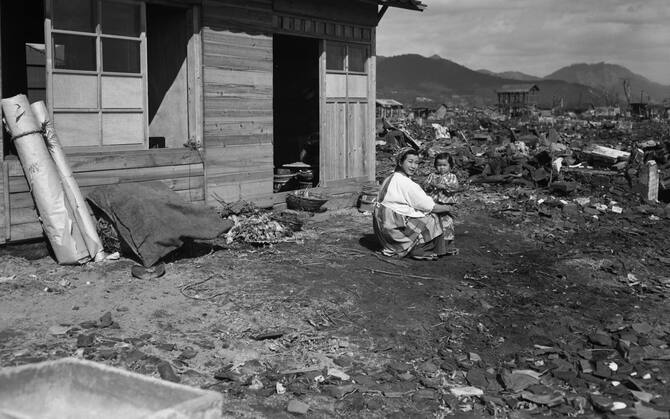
<point x="441" y="186"/>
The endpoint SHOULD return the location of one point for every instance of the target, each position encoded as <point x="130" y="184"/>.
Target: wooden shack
<point x="517" y="99"/>
<point x="389" y="108"/>
<point x="207" y="96"/>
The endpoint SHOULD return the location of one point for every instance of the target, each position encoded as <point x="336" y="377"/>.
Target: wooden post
<point x="322" y="112"/>
<point x="5" y="178"/>
<point x="372" y="100"/>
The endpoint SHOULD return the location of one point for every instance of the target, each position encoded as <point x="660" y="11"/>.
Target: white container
<point x="77" y="389"/>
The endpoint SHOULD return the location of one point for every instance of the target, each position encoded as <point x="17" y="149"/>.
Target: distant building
<point x="517" y="99"/>
<point x="647" y="110"/>
<point x="389" y="109"/>
<point x="419" y="113"/>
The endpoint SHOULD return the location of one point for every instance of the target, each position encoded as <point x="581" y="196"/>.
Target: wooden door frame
<point x="5" y="169"/>
<point x="372" y="100"/>
<point x="322" y="112"/>
<point x="369" y="147"/>
<point x="195" y="95"/>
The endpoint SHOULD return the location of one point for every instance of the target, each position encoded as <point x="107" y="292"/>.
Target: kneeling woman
<point x="406" y="220"/>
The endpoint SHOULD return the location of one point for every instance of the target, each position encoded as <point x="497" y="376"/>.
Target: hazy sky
<point x="535" y="36"/>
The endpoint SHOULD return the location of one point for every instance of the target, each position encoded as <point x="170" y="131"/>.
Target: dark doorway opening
<point x="167" y="74"/>
<point x="296" y="112"/>
<point x="23" y="52"/>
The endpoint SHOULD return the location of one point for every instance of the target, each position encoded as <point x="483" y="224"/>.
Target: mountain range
<point x="609" y="78"/>
<point x="416" y="80"/>
<point x="513" y="75"/>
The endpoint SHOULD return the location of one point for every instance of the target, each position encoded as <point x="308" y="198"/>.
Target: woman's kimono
<point x="402" y="216"/>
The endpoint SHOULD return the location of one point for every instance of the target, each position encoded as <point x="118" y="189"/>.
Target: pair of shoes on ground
<point x="452" y="251"/>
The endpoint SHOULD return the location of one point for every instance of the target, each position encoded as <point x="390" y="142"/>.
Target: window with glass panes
<point x="98" y="72"/>
<point x="347" y="122"/>
<point x="346" y="65"/>
<point x="346" y="58"/>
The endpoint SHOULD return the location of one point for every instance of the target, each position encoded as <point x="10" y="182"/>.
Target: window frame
<point x="99" y="35"/>
<point x="347" y="46"/>
<point x="366" y="58"/>
<point x="99" y="73"/>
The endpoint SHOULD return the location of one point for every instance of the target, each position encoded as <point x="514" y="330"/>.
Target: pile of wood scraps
<point x="258" y="229"/>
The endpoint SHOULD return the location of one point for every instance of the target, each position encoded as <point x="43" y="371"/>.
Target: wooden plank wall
<point x="4" y="203"/>
<point x="334" y="142"/>
<point x="318" y="28"/>
<point x="357" y="139"/>
<point x="238" y="120"/>
<point x="346" y="144"/>
<point x="238" y="99"/>
<point x="181" y="169"/>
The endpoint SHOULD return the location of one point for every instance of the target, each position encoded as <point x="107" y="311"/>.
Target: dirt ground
<point x="545" y="312"/>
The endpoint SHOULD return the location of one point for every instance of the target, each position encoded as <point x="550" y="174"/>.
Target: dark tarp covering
<point x="153" y="220"/>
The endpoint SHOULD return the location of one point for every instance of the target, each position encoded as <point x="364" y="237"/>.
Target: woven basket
<point x="303" y="200"/>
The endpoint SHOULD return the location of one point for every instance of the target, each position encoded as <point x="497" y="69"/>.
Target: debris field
<point x="556" y="305"/>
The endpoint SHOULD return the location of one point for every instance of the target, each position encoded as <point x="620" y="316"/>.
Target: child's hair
<point x="444" y="156"/>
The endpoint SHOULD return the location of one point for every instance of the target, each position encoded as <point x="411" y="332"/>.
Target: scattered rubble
<point x="555" y="307"/>
<point x="564" y="156"/>
<point x="568" y="183"/>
